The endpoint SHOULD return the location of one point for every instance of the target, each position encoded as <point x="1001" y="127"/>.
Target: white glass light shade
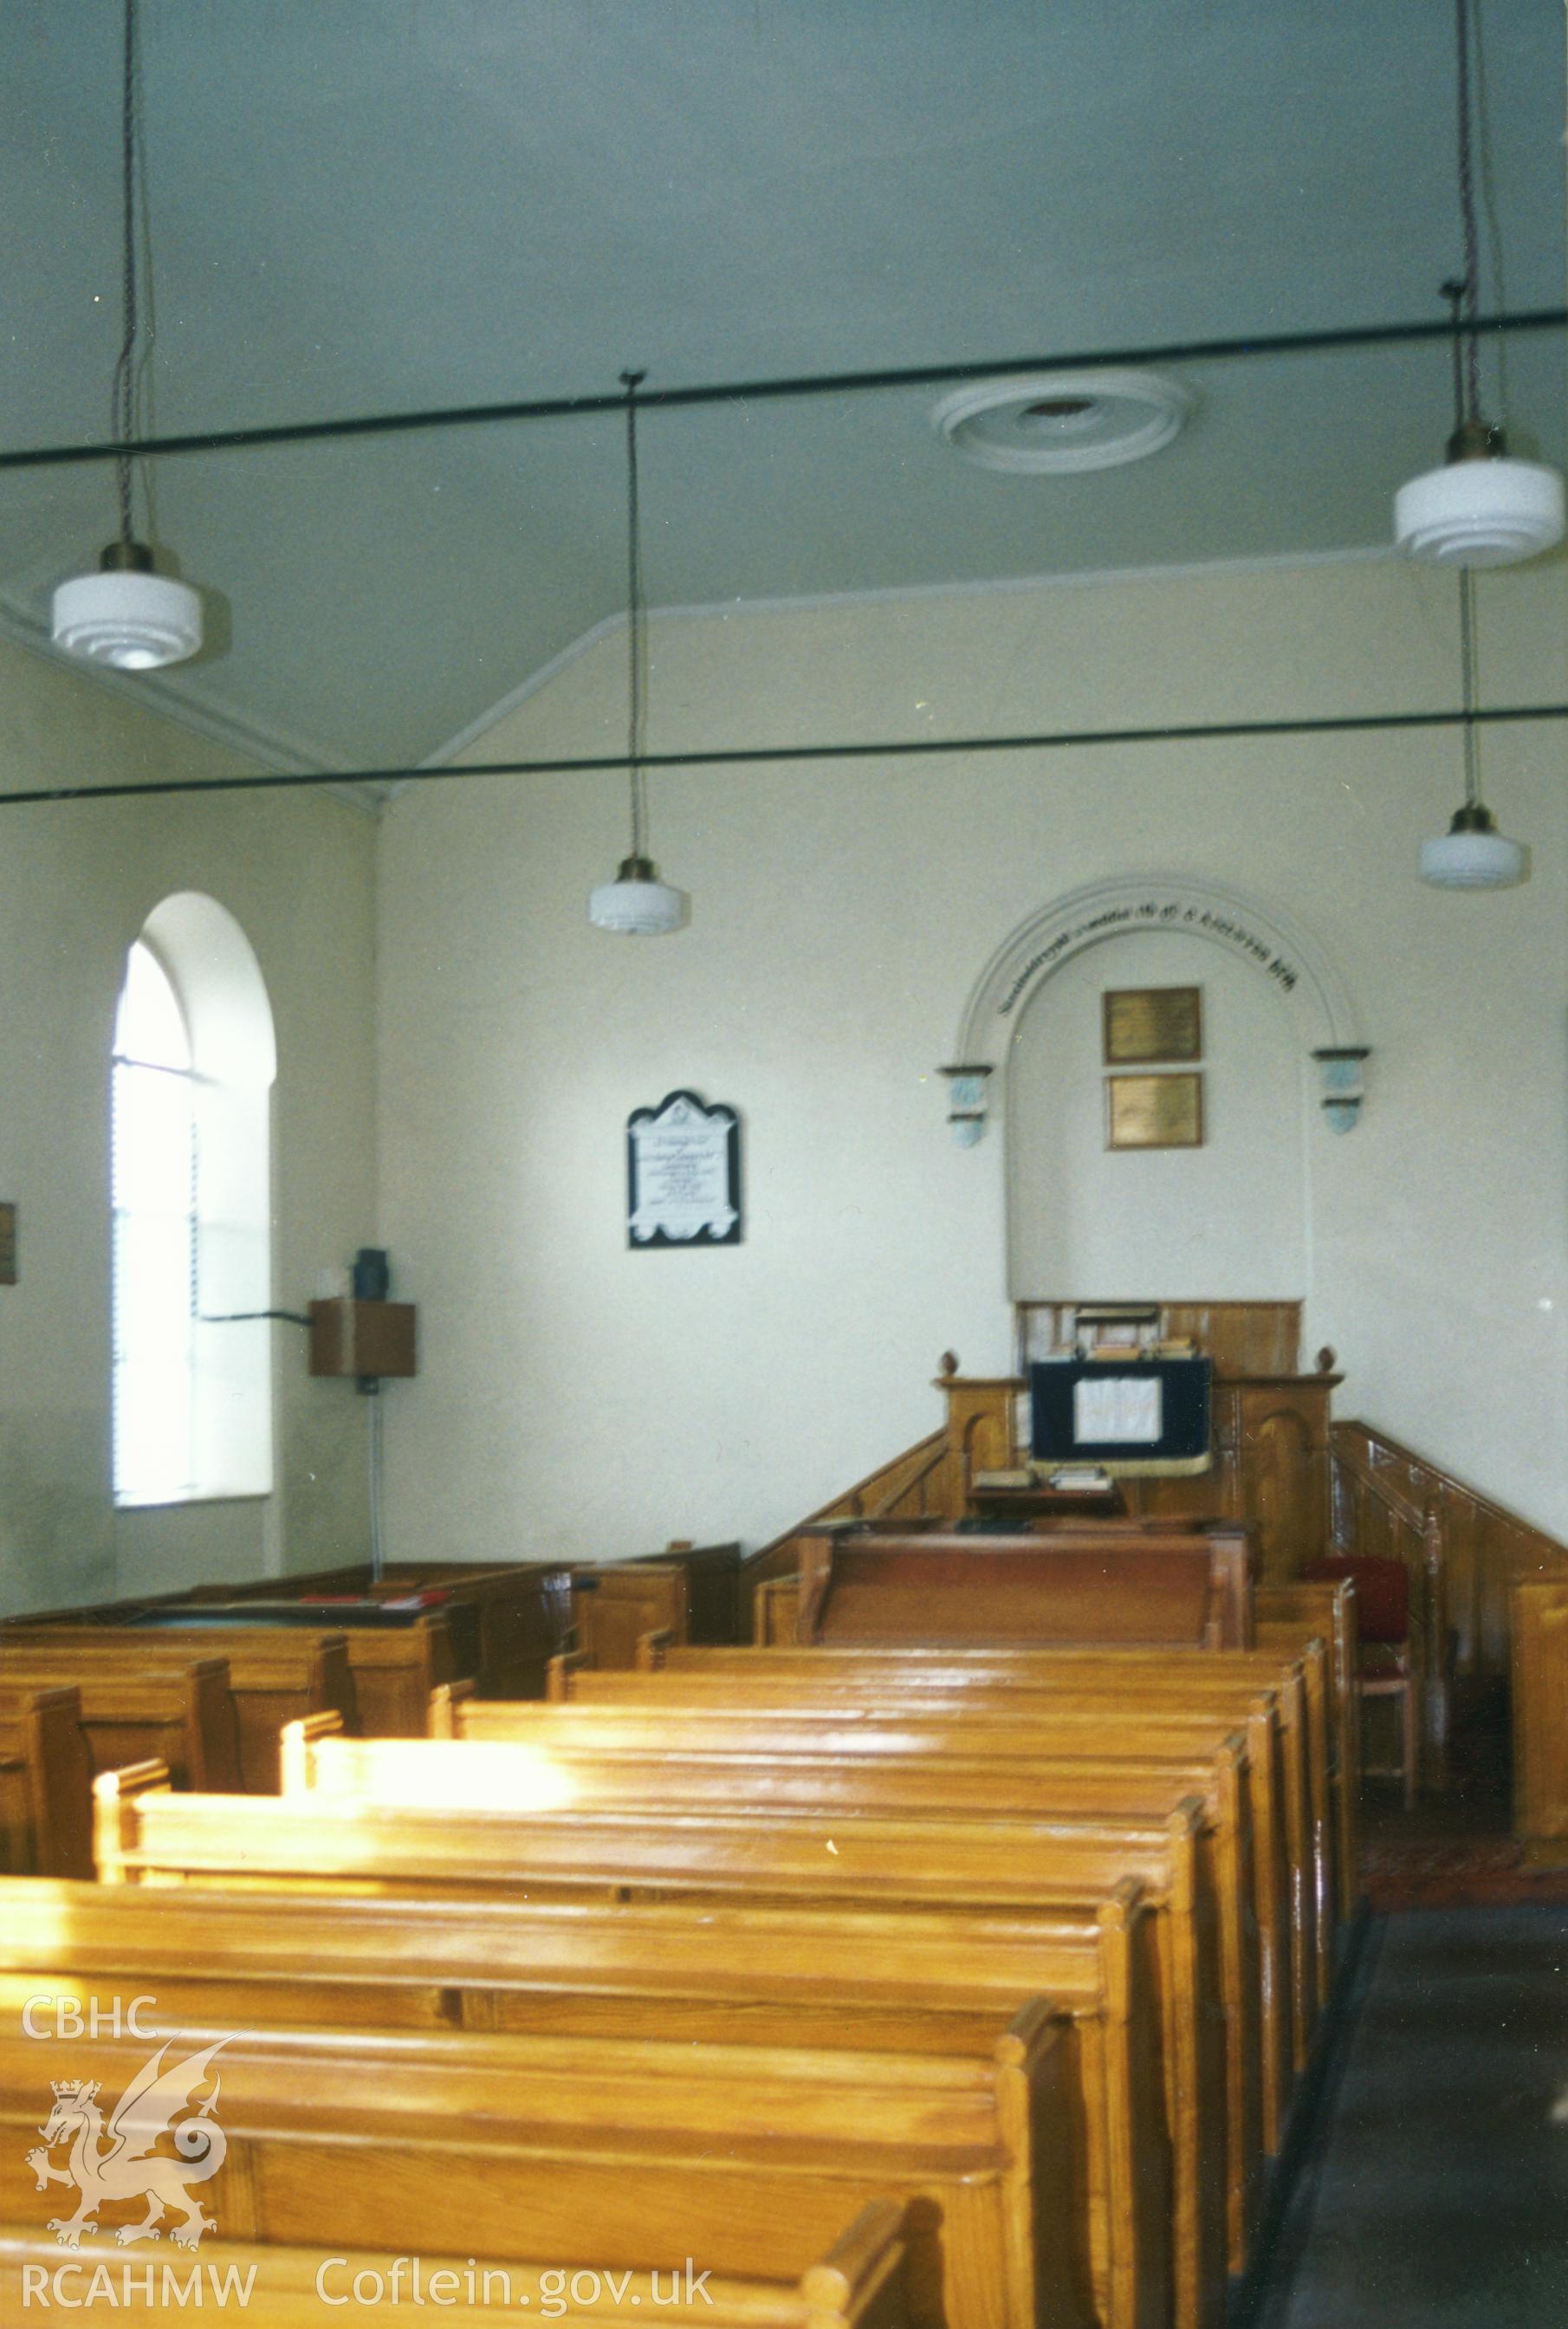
<point x="136" y="621"/>
<point x="1480" y="513"/>
<point x="636" y="904"/>
<point x="1473" y="855"/>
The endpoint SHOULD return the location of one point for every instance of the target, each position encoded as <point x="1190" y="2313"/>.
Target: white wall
<point x="1227" y="1221"/>
<point x="577" y="1397"/>
<point x="76" y="883"/>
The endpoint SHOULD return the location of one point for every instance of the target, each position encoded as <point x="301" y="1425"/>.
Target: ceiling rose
<point x="1061" y="422"/>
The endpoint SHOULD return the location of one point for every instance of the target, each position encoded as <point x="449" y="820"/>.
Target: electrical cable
<point x="587" y="405"/>
<point x="775" y="755"/>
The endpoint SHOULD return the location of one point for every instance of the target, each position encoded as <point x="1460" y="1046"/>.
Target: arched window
<point x="191" y="1171"/>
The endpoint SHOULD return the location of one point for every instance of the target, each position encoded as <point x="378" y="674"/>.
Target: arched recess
<point x="1316" y="1012"/>
<point x="1277" y="947"/>
<point x="213" y="969"/>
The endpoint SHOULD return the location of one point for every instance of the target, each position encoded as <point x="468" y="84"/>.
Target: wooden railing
<point x="1387" y="1499"/>
<point x="914" y="1484"/>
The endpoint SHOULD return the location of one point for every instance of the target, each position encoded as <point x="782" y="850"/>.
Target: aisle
<point x="1439" y="2193"/>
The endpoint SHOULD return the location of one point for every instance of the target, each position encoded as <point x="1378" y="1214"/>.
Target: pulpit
<point x="1270" y="1461"/>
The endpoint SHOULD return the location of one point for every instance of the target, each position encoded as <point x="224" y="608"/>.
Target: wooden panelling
<point x="1468" y="1549"/>
<point x="1242" y="1338"/>
<point x="918" y="1483"/>
<point x="1540" y="1614"/>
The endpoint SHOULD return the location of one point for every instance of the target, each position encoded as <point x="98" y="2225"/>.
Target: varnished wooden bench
<point x="1069" y="1796"/>
<point x="277" y="1674"/>
<point x="764" y="1974"/>
<point x="396" y="1657"/>
<point x="1131" y="1683"/>
<point x="1285" y="1616"/>
<point x="713" y="1855"/>
<point x="137" y="1701"/>
<point x="636" y="2145"/>
<point x="615" y="1603"/>
<point x="507" y="1620"/>
<point x="1151" y="1675"/>
<point x="857" y="2283"/>
<point x="651" y="1728"/>
<point x="712" y="1587"/>
<point x="48" y="1785"/>
<point x="1189" y="1588"/>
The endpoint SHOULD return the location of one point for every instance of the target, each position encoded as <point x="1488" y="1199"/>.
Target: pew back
<point x="41" y="1736"/>
<point x="137" y="1701"/>
<point x="277" y="1674"/>
<point x="1188" y="1588"/>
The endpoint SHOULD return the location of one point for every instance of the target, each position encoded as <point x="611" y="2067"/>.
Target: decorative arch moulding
<point x="1295" y="966"/>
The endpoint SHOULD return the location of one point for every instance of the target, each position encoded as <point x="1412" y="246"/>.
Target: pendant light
<point x="636" y="904"/>
<point x="1472" y="854"/>
<point x="124" y="613"/>
<point x="1480" y="508"/>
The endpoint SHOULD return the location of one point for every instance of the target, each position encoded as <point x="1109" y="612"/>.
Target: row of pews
<point x="958" y="1987"/>
<point x="204" y="1681"/>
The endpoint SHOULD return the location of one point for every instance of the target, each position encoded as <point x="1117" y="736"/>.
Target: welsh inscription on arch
<point x="1154" y="912"/>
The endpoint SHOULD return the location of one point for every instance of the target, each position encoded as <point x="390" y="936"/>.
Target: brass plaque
<point x="7" y="1245"/>
<point x="1146" y="1023"/>
<point x="1154" y="1111"/>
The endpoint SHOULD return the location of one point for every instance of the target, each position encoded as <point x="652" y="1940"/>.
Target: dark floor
<point x="1455" y="1848"/>
<point x="1437" y="2191"/>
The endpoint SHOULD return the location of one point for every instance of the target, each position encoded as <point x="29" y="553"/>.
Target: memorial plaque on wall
<point x="682" y="1173"/>
<point x="1147" y="1024"/>
<point x="1154" y="1111"/>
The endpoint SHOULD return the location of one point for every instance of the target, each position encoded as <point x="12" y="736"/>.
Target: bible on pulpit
<point x="1141" y="1414"/>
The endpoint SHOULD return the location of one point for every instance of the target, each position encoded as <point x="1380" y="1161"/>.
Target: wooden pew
<point x="635" y="2150"/>
<point x="18" y="1844"/>
<point x="1288" y="1616"/>
<point x="147" y="1834"/>
<point x="760" y="1972"/>
<point x="712" y="1587"/>
<point x="396" y="1657"/>
<point x="649" y="1728"/>
<point x="552" y="1775"/>
<point x="277" y="1674"/>
<point x="520" y="2134"/>
<point x="615" y="1603"/>
<point x="49" y="1779"/>
<point x="139" y="1702"/>
<point x="1151" y="1675"/>
<point x="1191" y="1588"/>
<point x="507" y="1620"/>
<point x="893" y="1683"/>
<point x="857" y="2283"/>
<point x="1025" y="1761"/>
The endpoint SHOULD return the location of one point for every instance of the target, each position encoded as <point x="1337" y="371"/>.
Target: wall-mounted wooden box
<point x="362" y="1338"/>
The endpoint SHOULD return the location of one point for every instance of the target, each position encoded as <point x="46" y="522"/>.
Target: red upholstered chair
<point x="1387" y="1665"/>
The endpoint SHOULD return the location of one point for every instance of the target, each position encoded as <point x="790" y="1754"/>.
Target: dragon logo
<point x="115" y="2162"/>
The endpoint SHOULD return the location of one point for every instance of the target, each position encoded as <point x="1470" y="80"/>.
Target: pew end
<point x="446" y="1700"/>
<point x="115" y="1797"/>
<point x="295" y="1748"/>
<point x="860" y="2279"/>
<point x="560" y="1674"/>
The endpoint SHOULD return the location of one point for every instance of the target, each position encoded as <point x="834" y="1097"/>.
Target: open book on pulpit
<point x="1123" y="1416"/>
